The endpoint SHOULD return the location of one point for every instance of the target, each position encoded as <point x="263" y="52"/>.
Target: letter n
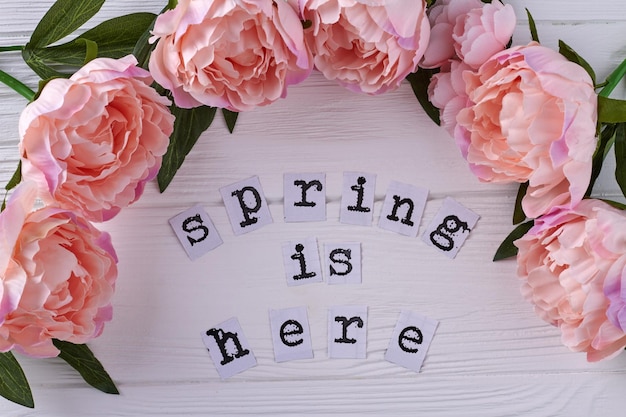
<point x="409" y="211"/>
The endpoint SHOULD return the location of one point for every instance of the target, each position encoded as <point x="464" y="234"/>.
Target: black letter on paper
<point x="409" y="338"/>
<point x="221" y="338"/>
<point x="245" y="208"/>
<point x="299" y="256"/>
<point x="409" y="211"/>
<point x="359" y="199"/>
<point x="305" y="187"/>
<point x="289" y="332"/>
<point x="443" y="235"/>
<point x="345" y="323"/>
<point x="333" y="257"/>
<point x="192" y="228"/>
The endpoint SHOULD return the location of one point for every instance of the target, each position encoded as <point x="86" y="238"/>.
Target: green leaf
<point x="13" y="383"/>
<point x="63" y="18"/>
<point x="91" y="49"/>
<point x="16" y="178"/>
<point x="143" y="48"/>
<point x="114" y="38"/>
<point x="83" y="360"/>
<point x="40" y="67"/>
<point x="507" y="249"/>
<point x="611" y="110"/>
<point x="571" y="55"/>
<point x="532" y="26"/>
<point x="518" y="212"/>
<point x="11" y="48"/>
<point x="607" y="137"/>
<point x="613" y="79"/>
<point x="231" y="119"/>
<point x="17" y="86"/>
<point x="117" y="37"/>
<point x="419" y="83"/>
<point x="620" y="156"/>
<point x="189" y="125"/>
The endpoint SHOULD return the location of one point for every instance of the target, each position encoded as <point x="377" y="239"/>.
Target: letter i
<point x="359" y="199"/>
<point x="299" y="256"/>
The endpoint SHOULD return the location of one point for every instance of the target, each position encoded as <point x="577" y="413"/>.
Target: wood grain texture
<point x="491" y="355"/>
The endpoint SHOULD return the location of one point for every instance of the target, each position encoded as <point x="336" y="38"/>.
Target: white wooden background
<point x="491" y="355"/>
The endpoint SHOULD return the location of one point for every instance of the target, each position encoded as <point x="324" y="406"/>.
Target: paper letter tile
<point x="403" y="208"/>
<point x="291" y="334"/>
<point x="196" y="232"/>
<point x="347" y="332"/>
<point x="357" y="198"/>
<point x="305" y="197"/>
<point x="246" y="206"/>
<point x="229" y="348"/>
<point x="302" y="262"/>
<point x="450" y="227"/>
<point x="410" y="340"/>
<point x="343" y="262"/>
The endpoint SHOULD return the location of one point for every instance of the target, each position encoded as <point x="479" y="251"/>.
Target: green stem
<point x="613" y="79"/>
<point x="171" y="4"/>
<point x="11" y="48"/>
<point x="17" y="85"/>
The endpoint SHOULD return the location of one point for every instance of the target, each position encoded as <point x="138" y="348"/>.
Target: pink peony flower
<point x="58" y="277"/>
<point x="613" y="228"/>
<point x="563" y="261"/>
<point x="443" y="17"/>
<point x="531" y="117"/>
<point x="615" y="285"/>
<point x="483" y="32"/>
<point x="91" y="142"/>
<point x="234" y="54"/>
<point x="367" y="47"/>
<point x="446" y="91"/>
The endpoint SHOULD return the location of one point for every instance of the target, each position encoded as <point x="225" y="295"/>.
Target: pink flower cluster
<point x="88" y="146"/>
<point x="518" y="114"/>
<point x="241" y="54"/>
<point x="572" y="266"/>
<point x="91" y="142"/>
<point x="525" y="114"/>
<point x="58" y="276"/>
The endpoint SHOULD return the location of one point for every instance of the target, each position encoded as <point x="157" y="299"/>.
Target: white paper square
<point x="196" y="232"/>
<point x="305" y="197"/>
<point x="403" y="208"/>
<point x="246" y="206"/>
<point x="347" y="332"/>
<point x="291" y="334"/>
<point x="229" y="348"/>
<point x="302" y="262"/>
<point x="410" y="340"/>
<point x="357" y="198"/>
<point x="343" y="262"/>
<point x="450" y="227"/>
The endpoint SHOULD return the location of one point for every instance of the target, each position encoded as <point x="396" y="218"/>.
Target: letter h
<point x="221" y="338"/>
